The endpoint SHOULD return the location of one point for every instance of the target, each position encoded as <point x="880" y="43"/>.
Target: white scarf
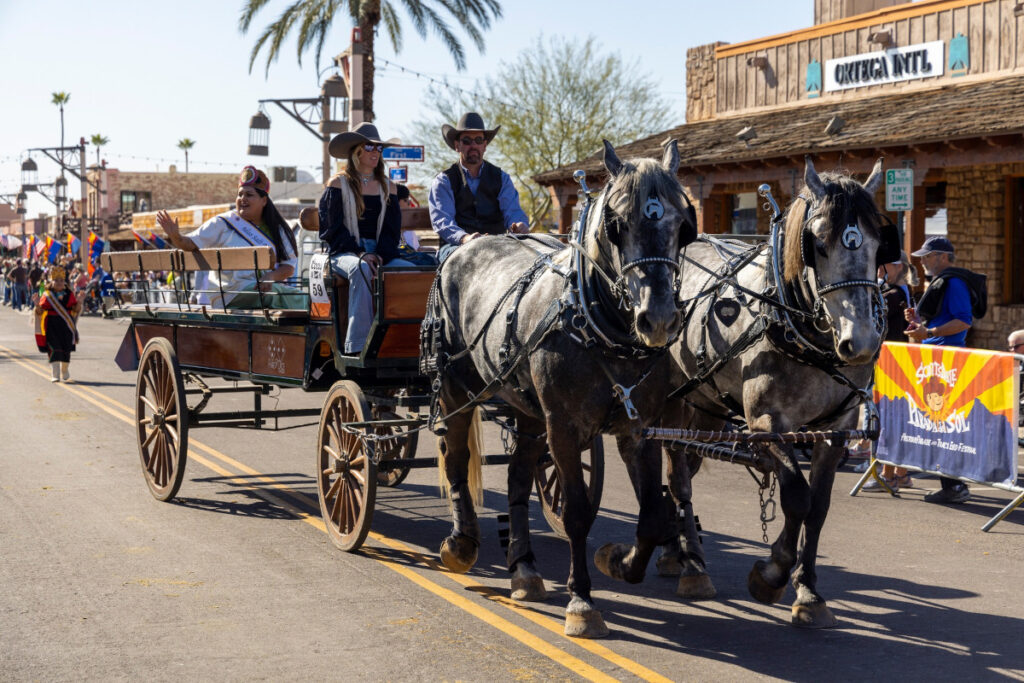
<point x="348" y="205"/>
<point x="247" y="231"/>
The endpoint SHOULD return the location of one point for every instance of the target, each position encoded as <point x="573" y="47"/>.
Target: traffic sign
<point x="899" y="189"/>
<point x="403" y="153"/>
<point x="399" y="174"/>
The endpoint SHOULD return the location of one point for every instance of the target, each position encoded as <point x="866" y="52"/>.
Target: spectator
<point x="896" y="280"/>
<point x="942" y="317"/>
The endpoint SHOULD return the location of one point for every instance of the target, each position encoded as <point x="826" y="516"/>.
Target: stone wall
<point x="975" y="216"/>
<point x="700" y="82"/>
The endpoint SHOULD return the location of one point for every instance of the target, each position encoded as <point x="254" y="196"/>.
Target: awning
<point x="988" y="109"/>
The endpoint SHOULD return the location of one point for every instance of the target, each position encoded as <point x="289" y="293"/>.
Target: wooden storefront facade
<point x="936" y="87"/>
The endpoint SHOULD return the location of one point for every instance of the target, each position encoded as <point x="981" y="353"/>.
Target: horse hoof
<point x="587" y="624"/>
<point x="696" y="587"/>
<point x="458" y="553"/>
<point x="760" y="589"/>
<point x="528" y="589"/>
<point x="608" y="559"/>
<point x="814" y="615"/>
<point x="668" y="564"/>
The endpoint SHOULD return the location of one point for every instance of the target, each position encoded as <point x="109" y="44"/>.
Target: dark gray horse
<point x="574" y="341"/>
<point x="783" y="337"/>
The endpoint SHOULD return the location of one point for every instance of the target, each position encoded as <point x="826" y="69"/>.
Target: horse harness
<point x="780" y="305"/>
<point x="585" y="312"/>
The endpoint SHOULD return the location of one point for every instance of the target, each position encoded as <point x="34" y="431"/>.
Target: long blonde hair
<point x="351" y="174"/>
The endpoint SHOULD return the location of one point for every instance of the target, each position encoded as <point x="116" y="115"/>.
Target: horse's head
<point x="834" y="244"/>
<point x="647" y="219"/>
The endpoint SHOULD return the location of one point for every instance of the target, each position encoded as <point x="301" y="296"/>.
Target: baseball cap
<point x="931" y="244"/>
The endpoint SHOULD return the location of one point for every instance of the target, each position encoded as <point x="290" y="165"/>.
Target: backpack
<point x="977" y="286"/>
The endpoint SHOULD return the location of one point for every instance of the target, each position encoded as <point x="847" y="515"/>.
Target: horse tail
<point x="475" y="476"/>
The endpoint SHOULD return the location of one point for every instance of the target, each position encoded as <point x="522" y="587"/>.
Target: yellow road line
<point x="574" y="664"/>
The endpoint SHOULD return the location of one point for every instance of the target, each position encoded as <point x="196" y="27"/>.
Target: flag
<point x="143" y="242"/>
<point x="30" y="246"/>
<point x="157" y="240"/>
<point x="95" y="249"/>
<point x="53" y="249"/>
<point x="74" y="244"/>
<point x="37" y="249"/>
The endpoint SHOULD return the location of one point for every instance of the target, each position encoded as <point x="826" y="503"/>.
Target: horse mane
<point x="845" y="198"/>
<point x="638" y="180"/>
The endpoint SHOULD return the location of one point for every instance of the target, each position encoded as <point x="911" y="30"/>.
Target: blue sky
<point x="148" y="74"/>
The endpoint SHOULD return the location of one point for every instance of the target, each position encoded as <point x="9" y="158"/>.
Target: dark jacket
<point x="340" y="241"/>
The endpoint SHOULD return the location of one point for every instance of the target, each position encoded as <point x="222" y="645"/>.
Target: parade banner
<point x="948" y="410"/>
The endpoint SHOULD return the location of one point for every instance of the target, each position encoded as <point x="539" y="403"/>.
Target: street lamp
<point x="60" y="190"/>
<point x="29" y="175"/>
<point x="259" y="135"/>
<point x="335" y="96"/>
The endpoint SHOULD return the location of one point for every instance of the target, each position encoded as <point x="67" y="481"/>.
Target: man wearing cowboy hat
<point x="472" y="198"/>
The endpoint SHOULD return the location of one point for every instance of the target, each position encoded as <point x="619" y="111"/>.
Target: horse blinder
<point x="889" y="245"/>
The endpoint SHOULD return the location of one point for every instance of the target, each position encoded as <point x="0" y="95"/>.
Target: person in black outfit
<point x="361" y="222"/>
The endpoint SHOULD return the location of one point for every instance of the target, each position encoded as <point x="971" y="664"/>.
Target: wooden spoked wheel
<point x="346" y="474"/>
<point x="550" y="492"/>
<point x="162" y="418"/>
<point x="393" y="449"/>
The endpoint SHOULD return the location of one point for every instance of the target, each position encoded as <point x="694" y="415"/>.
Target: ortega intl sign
<point x="925" y="60"/>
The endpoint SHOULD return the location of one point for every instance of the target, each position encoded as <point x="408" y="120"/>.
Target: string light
<point x="444" y="83"/>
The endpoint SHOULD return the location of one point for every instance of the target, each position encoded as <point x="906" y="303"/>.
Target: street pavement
<point x="235" y="579"/>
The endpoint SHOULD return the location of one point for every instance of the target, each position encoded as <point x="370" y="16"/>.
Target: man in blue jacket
<point x="945" y="325"/>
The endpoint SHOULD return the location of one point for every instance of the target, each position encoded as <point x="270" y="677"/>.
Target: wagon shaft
<point x="761" y="462"/>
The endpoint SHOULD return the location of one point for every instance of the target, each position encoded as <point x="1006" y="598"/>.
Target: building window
<point x="132" y="201"/>
<point x="935" y="210"/>
<point x="744" y="213"/>
<point x="1013" y="255"/>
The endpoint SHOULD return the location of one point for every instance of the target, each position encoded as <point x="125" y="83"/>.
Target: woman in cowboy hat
<point x="254" y="222"/>
<point x="55" y="315"/>
<point x="361" y="222"/>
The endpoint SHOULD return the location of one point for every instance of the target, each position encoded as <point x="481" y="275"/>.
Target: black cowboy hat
<point x="363" y="134"/>
<point x="469" y="121"/>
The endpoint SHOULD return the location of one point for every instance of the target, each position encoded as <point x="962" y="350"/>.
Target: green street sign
<point x="899" y="189"/>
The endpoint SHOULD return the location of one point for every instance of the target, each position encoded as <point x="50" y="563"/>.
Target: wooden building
<point x="935" y="87"/>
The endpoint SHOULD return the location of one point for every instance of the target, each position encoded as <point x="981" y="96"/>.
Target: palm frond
<point x="249" y="11"/>
<point x="391" y="25"/>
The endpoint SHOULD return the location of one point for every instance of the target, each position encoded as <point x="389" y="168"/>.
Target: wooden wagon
<point x="376" y="402"/>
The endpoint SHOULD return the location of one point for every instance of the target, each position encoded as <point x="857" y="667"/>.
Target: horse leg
<point x="582" y="618"/>
<point x="767" y="580"/>
<point x="809" y="608"/>
<point x="459" y="549"/>
<point x="629" y="562"/>
<point x="694" y="582"/>
<point x="527" y="583"/>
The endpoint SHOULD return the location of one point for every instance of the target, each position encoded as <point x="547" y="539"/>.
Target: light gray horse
<point x="572" y="357"/>
<point x="782" y="369"/>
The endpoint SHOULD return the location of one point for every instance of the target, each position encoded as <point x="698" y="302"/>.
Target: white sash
<point x="247" y="231"/>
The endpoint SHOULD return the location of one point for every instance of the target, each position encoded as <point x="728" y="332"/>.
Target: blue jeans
<point x="445" y="251"/>
<point x="20" y="297"/>
<point x="360" y="298"/>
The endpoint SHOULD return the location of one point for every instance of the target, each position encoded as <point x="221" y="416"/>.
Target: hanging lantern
<point x="29" y="175"/>
<point x="335" y="92"/>
<point x="19" y="206"/>
<point x="60" y="190"/>
<point x="259" y="135"/>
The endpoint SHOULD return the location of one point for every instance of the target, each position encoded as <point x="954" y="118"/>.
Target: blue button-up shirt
<point x="442" y="205"/>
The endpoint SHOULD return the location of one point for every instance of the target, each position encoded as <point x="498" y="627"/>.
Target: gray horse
<point x="781" y="369"/>
<point x="572" y="357"/>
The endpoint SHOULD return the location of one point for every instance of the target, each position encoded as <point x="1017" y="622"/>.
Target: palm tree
<point x="314" y="19"/>
<point x="186" y="145"/>
<point x="60" y="99"/>
<point x="98" y="141"/>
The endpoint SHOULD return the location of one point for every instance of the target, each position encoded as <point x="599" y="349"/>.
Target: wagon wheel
<point x="393" y="449"/>
<point x="162" y="418"/>
<point x="550" y="493"/>
<point x="346" y="474"/>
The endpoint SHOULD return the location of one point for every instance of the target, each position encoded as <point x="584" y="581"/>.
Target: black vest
<point x="478" y="212"/>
